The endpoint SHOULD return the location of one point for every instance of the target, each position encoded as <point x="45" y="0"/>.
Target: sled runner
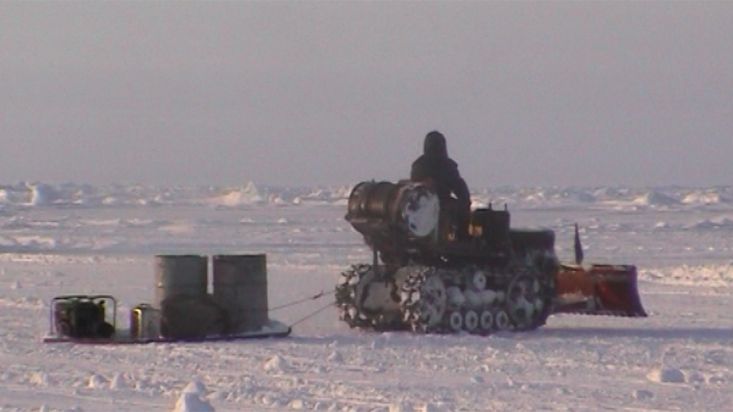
<point x="273" y="330"/>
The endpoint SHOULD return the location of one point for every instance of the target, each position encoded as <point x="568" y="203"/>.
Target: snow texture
<point x="70" y="238"/>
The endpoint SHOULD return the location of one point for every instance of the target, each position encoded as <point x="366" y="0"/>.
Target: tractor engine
<point x="390" y="216"/>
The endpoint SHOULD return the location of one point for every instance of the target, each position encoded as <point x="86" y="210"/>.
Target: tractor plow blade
<point x="597" y="290"/>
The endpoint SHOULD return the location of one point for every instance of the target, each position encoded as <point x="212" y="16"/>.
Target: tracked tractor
<point x="425" y="277"/>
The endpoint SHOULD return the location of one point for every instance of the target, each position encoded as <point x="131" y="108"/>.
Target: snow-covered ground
<point x="70" y="238"/>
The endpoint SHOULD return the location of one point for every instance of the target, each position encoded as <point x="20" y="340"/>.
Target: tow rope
<point x="312" y="314"/>
<point x="306" y="299"/>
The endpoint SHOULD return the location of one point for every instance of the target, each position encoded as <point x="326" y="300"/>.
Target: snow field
<point x="681" y="357"/>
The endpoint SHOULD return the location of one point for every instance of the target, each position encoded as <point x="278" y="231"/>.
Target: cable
<point x="314" y="297"/>
<point x="314" y="313"/>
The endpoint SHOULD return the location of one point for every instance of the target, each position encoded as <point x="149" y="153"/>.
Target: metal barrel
<point x="179" y="275"/>
<point x="240" y="287"/>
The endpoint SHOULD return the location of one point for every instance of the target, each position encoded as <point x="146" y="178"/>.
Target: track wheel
<point x="423" y="301"/>
<point x="526" y="302"/>
<point x="471" y="321"/>
<point x="486" y="321"/>
<point x="477" y="281"/>
<point x="501" y="320"/>
<point x="455" y="321"/>
<point x="347" y="296"/>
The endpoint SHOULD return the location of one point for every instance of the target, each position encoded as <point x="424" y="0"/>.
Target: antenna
<point x="578" y="247"/>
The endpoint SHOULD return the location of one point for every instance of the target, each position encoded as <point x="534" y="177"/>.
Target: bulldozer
<point x="425" y="276"/>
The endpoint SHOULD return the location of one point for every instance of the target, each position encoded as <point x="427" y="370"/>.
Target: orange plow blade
<point x="597" y="290"/>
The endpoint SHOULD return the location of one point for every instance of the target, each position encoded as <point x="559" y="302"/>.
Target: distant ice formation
<point x="74" y="195"/>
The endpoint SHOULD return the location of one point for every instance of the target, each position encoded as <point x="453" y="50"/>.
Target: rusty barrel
<point x="240" y="287"/>
<point x="179" y="275"/>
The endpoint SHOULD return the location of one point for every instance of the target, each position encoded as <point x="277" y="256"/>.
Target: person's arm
<point x="461" y="191"/>
<point x="459" y="187"/>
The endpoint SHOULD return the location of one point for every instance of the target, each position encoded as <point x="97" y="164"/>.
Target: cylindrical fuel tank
<point x="179" y="275"/>
<point x="240" y="287"/>
<point x="409" y="206"/>
<point x="372" y="199"/>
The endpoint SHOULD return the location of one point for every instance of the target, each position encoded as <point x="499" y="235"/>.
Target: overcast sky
<point x="305" y="93"/>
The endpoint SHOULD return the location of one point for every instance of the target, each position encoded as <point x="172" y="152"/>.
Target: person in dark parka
<point x="435" y="167"/>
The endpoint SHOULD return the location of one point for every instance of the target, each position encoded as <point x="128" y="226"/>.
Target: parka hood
<point x="435" y="145"/>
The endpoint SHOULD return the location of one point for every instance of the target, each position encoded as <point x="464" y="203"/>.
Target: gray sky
<point x="581" y="93"/>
